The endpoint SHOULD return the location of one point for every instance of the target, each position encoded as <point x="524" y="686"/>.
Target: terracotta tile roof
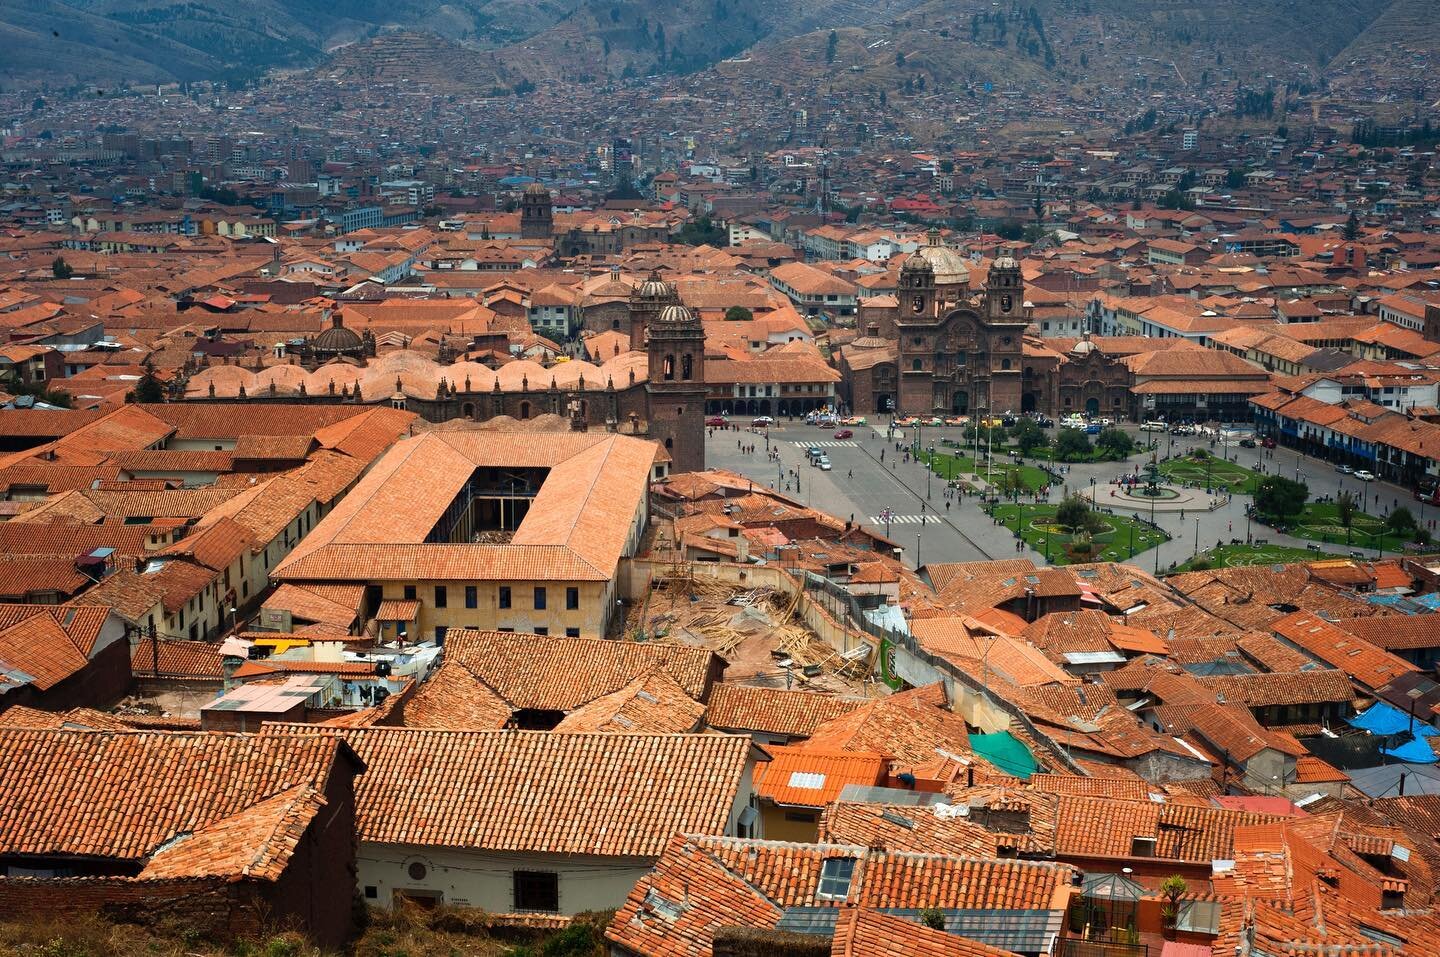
<point x="808" y="776"/>
<point x="1316" y="686"/>
<point x="1367" y="665"/>
<point x="125" y="794"/>
<point x="561" y="674"/>
<point x="772" y="710"/>
<point x="913" y="726"/>
<point x="452" y="697"/>
<point x="1022" y="823"/>
<point x="308" y="604"/>
<point x="538" y="791"/>
<point x="256" y="842"/>
<point x="1392" y="631"/>
<point x="651" y="704"/>
<point x="577" y="528"/>
<point x="1074" y="784"/>
<point x="176" y="659"/>
<point x="1105" y="827"/>
<point x="865" y="932"/>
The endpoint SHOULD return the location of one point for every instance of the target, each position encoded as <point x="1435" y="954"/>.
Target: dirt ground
<point x="755" y="630"/>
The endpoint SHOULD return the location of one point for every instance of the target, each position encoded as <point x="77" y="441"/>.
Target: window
<point x="472" y="596"/>
<point x="572" y="632"/>
<point x="504" y="596"/>
<point x="537" y="890"/>
<point x="440" y="634"/>
<point x="441" y="596"/>
<point x="539" y="599"/>
<point x="372" y="892"/>
<point x="1142" y="847"/>
<point x="835" y="876"/>
<point x="572" y="599"/>
<point x="409" y="592"/>
<point x="915" y="365"/>
<point x="1200" y="917"/>
<point x="1004" y="364"/>
<point x="541" y="630"/>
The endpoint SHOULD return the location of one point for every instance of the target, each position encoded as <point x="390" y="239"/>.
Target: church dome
<point x="1084" y="347"/>
<point x="655" y="288"/>
<point x="337" y="339"/>
<point x="915" y="262"/>
<point x="1005" y="262"/>
<point x="676" y="313"/>
<point x="948" y="265"/>
<point x="537" y="189"/>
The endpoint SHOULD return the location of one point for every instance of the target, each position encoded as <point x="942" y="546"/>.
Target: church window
<point x="916" y="365"/>
<point x="1004" y="365"/>
<point x="960" y="358"/>
<point x="669" y="368"/>
<point x="686" y="366"/>
<point x="524" y="410"/>
<point x="919" y="340"/>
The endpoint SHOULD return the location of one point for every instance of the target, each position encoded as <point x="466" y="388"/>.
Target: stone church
<point x="943" y="349"/>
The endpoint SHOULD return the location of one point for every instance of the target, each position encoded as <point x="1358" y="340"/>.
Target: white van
<point x="1154" y="427"/>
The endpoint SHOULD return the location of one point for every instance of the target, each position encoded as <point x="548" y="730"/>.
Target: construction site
<point x="758" y="630"/>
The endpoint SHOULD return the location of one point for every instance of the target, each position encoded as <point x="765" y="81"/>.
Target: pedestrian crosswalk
<point x="824" y="445"/>
<point x="927" y="519"/>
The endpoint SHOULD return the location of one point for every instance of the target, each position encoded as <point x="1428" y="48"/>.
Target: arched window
<point x="687" y="367"/>
<point x="669" y="367"/>
<point x="916" y="365"/>
<point x="1004" y="364"/>
<point x="669" y="443"/>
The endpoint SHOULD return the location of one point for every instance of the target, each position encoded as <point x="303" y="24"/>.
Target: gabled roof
<point x="560" y="674"/>
<point x="614" y="795"/>
<point x="124" y="794"/>
<point x="735" y="707"/>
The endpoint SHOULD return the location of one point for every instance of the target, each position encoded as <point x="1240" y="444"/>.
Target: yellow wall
<point x="521" y="616"/>
<point x="776" y="827"/>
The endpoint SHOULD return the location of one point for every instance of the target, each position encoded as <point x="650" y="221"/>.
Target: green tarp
<point x="1005" y="751"/>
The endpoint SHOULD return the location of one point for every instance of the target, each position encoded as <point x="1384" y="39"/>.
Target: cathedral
<point x="655" y="390"/>
<point x="942" y="348"/>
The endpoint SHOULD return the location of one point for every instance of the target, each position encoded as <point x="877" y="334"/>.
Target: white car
<point x="1344" y="469"/>
<point x="824" y="463"/>
<point x="1365" y="476"/>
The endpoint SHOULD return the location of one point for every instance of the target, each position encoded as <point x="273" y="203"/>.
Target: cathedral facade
<point x="942" y="350"/>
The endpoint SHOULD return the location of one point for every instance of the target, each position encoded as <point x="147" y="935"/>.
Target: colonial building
<point x="938" y="348"/>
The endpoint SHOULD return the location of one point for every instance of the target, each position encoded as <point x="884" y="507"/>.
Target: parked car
<point x="1182" y="430"/>
<point x="1044" y="422"/>
<point x="957" y="419"/>
<point x="1247" y="443"/>
<point x="1153" y="427"/>
<point x="853" y="420"/>
<point x="845" y="434"/>
<point x="761" y="421"/>
<point x="1093" y="428"/>
<point x="717" y="420"/>
<point x="824" y="463"/>
<point x="813" y="453"/>
<point x="1365" y="476"/>
<point x="1268" y="442"/>
<point x="1343" y="469"/>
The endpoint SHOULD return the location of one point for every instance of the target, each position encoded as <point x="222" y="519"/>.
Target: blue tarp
<point x="1414" y="751"/>
<point x="1382" y="718"/>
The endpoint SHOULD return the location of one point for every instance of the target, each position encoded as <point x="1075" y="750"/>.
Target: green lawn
<point x="1234" y="556"/>
<point x="1320" y="522"/>
<point x="1112" y="543"/>
<point x="1191" y="471"/>
<point x="950" y="465"/>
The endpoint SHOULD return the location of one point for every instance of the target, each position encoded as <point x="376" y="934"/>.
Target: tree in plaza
<point x="1345" y="508"/>
<point x="1279" y="497"/>
<point x="1028" y="436"/>
<point x="1076" y="514"/>
<point x="1011" y="484"/>
<point x="1071" y="444"/>
<point x="738" y="314"/>
<point x="1115" y="443"/>
<point x="1400" y="521"/>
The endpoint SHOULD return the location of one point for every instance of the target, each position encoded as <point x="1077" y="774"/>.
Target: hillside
<point x="1098" y="43"/>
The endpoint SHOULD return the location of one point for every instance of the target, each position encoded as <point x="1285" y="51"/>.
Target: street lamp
<point x="929" y="470"/>
<point x="1197" y="537"/>
<point x="917" y="550"/>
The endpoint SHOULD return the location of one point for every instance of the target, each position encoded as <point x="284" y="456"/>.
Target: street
<point x="861" y="488"/>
